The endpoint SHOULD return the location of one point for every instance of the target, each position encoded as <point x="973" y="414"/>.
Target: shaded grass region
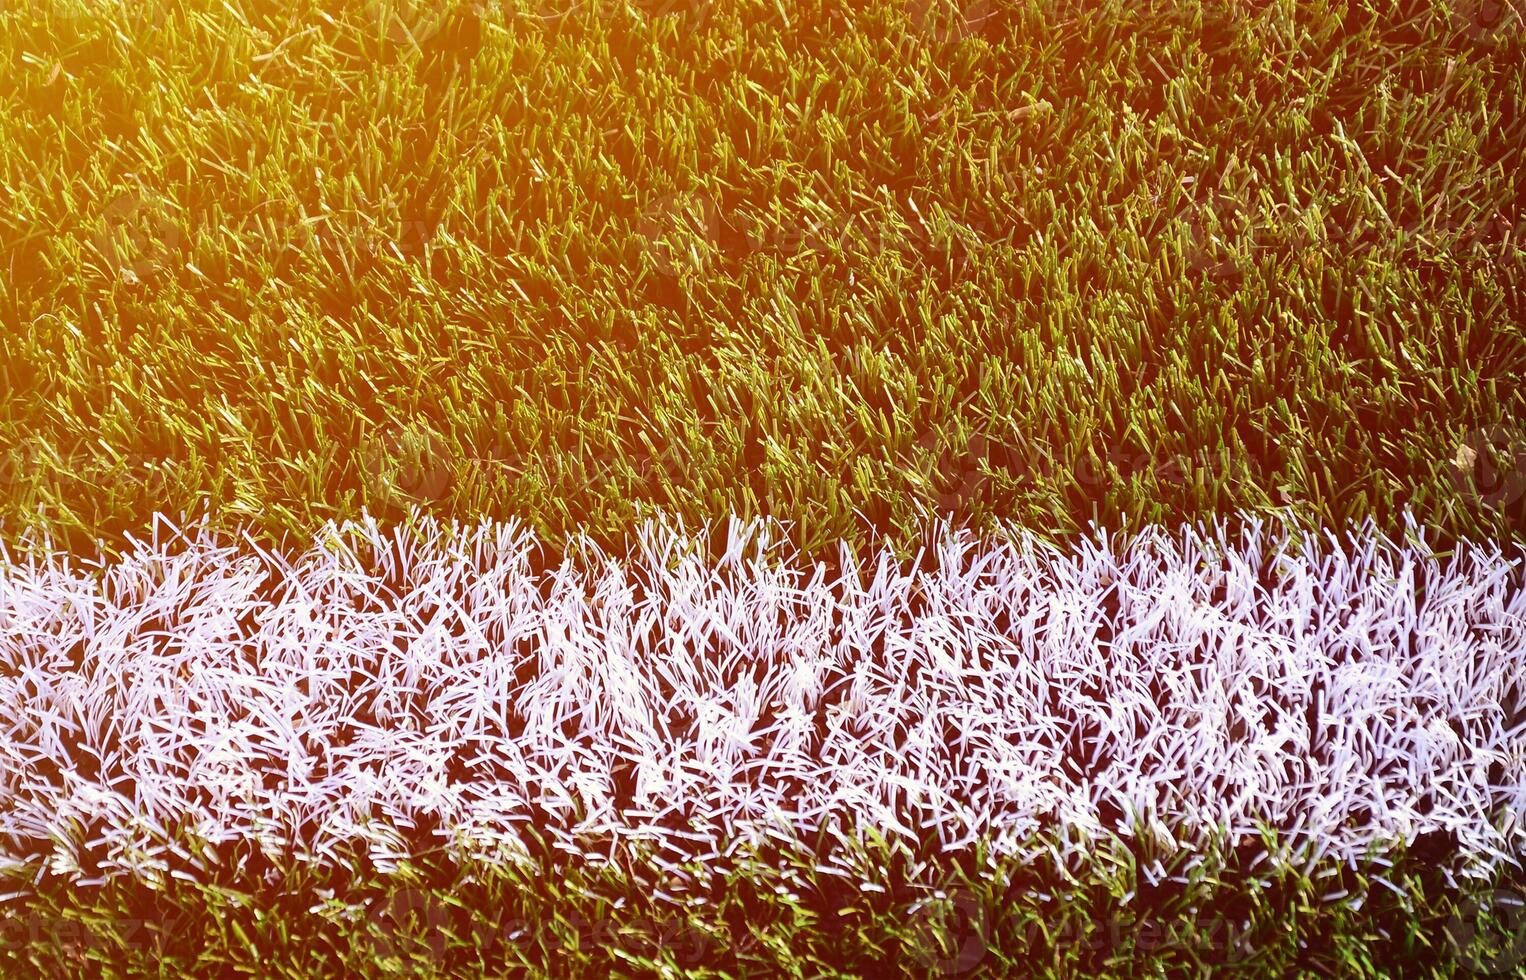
<point x="1121" y="913"/>
<point x="841" y="265"/>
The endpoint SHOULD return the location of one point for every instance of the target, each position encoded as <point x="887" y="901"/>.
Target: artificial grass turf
<point x="842" y="265"/>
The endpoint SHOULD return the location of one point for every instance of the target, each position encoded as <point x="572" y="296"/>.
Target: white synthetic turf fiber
<point x="1347" y="690"/>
